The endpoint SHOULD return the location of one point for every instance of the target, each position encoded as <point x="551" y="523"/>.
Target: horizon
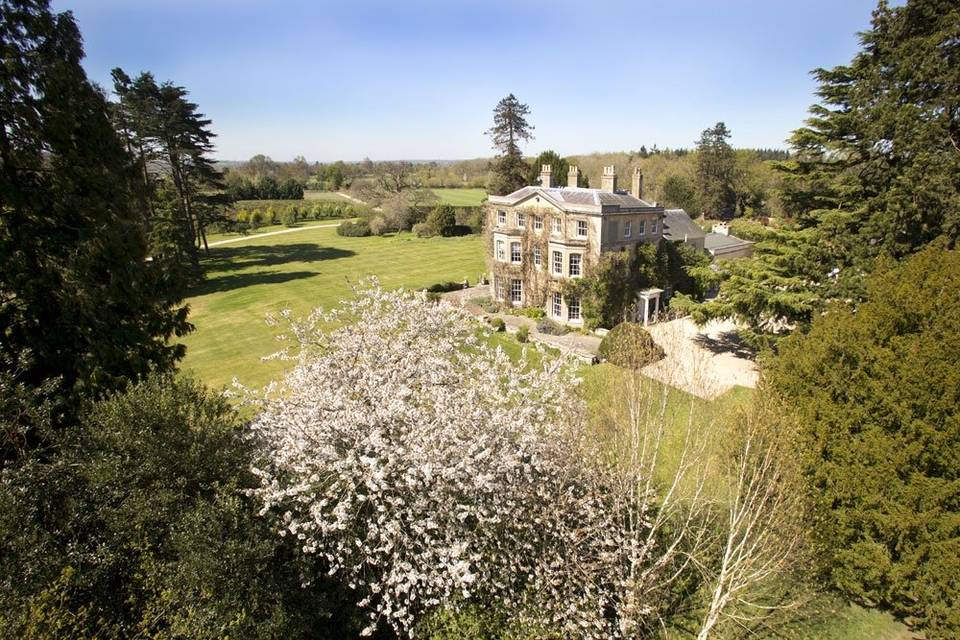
<point x="420" y="81"/>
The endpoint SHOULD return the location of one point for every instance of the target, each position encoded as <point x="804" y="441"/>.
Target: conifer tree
<point x="715" y="172"/>
<point x="80" y="303"/>
<point x="510" y="128"/>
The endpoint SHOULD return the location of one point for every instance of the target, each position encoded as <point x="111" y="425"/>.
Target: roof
<point x="678" y="226"/>
<point x="718" y="241"/>
<point x="579" y="199"/>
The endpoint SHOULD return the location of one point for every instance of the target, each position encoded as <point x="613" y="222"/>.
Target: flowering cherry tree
<point x="426" y="469"/>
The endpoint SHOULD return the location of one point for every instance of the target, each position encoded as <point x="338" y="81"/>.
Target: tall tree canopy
<point x="877" y="168"/>
<point x="878" y="390"/>
<point x="715" y="172"/>
<point x="510" y="128"/>
<point x="79" y="301"/>
<point x="558" y="168"/>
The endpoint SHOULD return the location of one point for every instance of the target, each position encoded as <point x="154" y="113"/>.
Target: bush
<point x="256" y="219"/>
<point x="629" y="345"/>
<point x="498" y="324"/>
<point x="378" y="226"/>
<point x="353" y="229"/>
<point x="443" y="287"/>
<point x="443" y="220"/>
<point x="423" y="230"/>
<point x="289" y="217"/>
<point x="523" y="333"/>
<point x="551" y="328"/>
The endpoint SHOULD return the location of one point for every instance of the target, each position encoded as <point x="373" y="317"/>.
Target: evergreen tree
<point x="80" y="304"/>
<point x="558" y="168"/>
<point x="510" y="128"/>
<point x="878" y="390"/>
<point x="875" y="169"/>
<point x="715" y="172"/>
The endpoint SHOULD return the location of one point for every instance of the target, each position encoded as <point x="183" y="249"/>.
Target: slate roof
<point x="714" y="241"/>
<point x="678" y="226"/>
<point x="578" y="199"/>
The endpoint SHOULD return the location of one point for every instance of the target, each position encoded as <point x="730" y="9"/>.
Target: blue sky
<point x="415" y="79"/>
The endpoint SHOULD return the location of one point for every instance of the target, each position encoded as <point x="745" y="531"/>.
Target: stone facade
<point x="537" y="237"/>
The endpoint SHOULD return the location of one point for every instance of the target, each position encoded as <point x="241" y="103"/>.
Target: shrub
<point x="551" y="328"/>
<point x="443" y="220"/>
<point x="353" y="229"/>
<point x="498" y="324"/>
<point x="256" y="219"/>
<point x="629" y="345"/>
<point x="378" y="226"/>
<point x="422" y="230"/>
<point x="289" y="217"/>
<point x="523" y="333"/>
<point x="443" y="287"/>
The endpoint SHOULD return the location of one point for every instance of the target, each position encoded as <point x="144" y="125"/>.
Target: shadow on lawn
<point x="222" y="283"/>
<point x="235" y="258"/>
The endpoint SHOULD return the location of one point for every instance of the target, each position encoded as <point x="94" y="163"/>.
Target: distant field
<point x="329" y="196"/>
<point x="461" y="197"/>
<point x="300" y="271"/>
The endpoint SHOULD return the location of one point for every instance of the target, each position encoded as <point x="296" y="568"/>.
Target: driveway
<point x="706" y="361"/>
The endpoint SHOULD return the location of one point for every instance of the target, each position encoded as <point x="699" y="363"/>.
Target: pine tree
<point x="80" y="304"/>
<point x="715" y="172"/>
<point x="510" y="128"/>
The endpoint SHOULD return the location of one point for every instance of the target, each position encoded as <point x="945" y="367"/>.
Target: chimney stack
<point x="546" y="176"/>
<point x="573" y="176"/>
<point x="608" y="181"/>
<point x="637" y="190"/>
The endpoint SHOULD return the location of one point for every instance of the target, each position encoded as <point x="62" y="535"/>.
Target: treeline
<point x="265" y="188"/>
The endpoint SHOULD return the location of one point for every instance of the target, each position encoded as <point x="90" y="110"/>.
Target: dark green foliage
<point x="680" y="192"/>
<point x="443" y="220"/>
<point x="510" y="127"/>
<point x="559" y="167"/>
<point x="498" y="324"/>
<point x="358" y="229"/>
<point x="289" y="217"/>
<point x="523" y="333"/>
<point x="688" y="268"/>
<point x="629" y="345"/>
<point x="715" y="172"/>
<point x="80" y="304"/>
<point x="139" y="527"/>
<point x="266" y="188"/>
<point x="444" y="287"/>
<point x="879" y="389"/>
<point x="875" y="169"/>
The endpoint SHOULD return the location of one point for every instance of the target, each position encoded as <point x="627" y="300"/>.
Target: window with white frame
<point x="501" y="255"/>
<point x="516" y="291"/>
<point x="575" y="260"/>
<point x="498" y="288"/>
<point x="537" y="258"/>
<point x="515" y="252"/>
<point x="581" y="228"/>
<point x="558" y="263"/>
<point x="573" y="308"/>
<point x="557" y="226"/>
<point x="641" y="228"/>
<point x="521" y="221"/>
<point x="537" y="223"/>
<point x="501" y="218"/>
<point x="653" y="226"/>
<point x="628" y="229"/>
<point x="557" y="306"/>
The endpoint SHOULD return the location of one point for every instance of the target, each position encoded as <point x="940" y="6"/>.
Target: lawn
<point x="301" y="271"/>
<point x="461" y="197"/>
<point x="229" y="235"/>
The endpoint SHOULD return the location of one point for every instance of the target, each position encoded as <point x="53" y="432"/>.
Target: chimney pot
<point x="573" y="176"/>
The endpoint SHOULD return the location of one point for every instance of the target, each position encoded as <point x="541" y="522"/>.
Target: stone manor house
<point x="540" y="236"/>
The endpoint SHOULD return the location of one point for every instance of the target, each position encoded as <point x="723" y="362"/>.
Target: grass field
<point x="228" y="235"/>
<point x="301" y="271"/>
<point x="325" y="196"/>
<point x="461" y="197"/>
